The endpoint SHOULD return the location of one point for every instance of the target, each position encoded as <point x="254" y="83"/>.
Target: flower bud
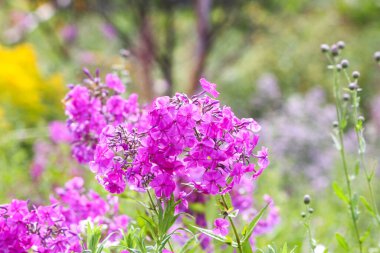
<point x="310" y="210"/>
<point x="325" y="48"/>
<point x="346" y="96"/>
<point x="338" y="67"/>
<point x="334" y="50"/>
<point x="306" y="199"/>
<point x="376" y="56"/>
<point x="303" y="214"/>
<point x="356" y="74"/>
<point x="345" y="63"/>
<point x="361" y="118"/>
<point x="341" y="44"/>
<point x="352" y="86"/>
<point x="335" y="124"/>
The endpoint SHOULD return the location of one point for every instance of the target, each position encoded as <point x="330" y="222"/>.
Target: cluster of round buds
<point x="334" y="49"/>
<point x="307" y="201"/>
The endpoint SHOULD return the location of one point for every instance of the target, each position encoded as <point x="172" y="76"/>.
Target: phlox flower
<point x="221" y="227"/>
<point x="114" y="82"/>
<point x="209" y="87"/>
<point x="163" y="185"/>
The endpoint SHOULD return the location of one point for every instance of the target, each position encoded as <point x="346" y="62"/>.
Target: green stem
<point x="233" y="226"/>
<point x="338" y="106"/>
<point x="310" y="236"/>
<point x="360" y="140"/>
<point x="152" y="202"/>
<point x="156" y="212"/>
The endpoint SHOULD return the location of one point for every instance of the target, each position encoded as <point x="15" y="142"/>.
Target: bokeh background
<point x="263" y="54"/>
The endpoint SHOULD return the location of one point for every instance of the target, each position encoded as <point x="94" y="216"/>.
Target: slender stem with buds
<point x="361" y="149"/>
<point x="341" y="118"/>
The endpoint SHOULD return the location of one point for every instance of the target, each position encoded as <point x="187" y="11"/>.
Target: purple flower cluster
<point x="77" y="205"/>
<point x="193" y="139"/>
<point x="92" y="106"/>
<point x="56" y="227"/>
<point x="42" y="229"/>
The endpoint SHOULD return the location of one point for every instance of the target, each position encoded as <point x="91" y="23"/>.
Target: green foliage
<point x="93" y="239"/>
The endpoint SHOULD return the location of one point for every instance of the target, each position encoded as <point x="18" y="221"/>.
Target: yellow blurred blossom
<point x="26" y="95"/>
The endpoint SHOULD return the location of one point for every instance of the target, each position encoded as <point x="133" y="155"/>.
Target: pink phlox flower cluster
<point x="57" y="227"/>
<point x="42" y="229"/>
<point x="76" y="205"/>
<point x="192" y="138"/>
<point x="93" y="105"/>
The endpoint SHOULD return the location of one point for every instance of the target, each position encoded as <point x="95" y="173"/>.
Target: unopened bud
<point x="356" y="74"/>
<point x="345" y="63"/>
<point x="361" y="118"/>
<point x="303" y="214"/>
<point x="306" y="199"/>
<point x="310" y="210"/>
<point x="376" y="56"/>
<point x="341" y="44"/>
<point x="325" y="48"/>
<point x="334" y="50"/>
<point x="346" y="96"/>
<point x="335" y="124"/>
<point x="353" y="86"/>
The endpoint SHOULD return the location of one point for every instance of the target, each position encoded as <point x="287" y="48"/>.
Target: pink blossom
<point x="163" y="185"/>
<point x="114" y="82"/>
<point x="209" y="87"/>
<point x="221" y="227"/>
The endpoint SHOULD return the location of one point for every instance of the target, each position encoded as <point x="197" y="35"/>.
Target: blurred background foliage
<point x="263" y="54"/>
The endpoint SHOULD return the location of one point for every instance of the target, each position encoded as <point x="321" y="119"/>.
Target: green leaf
<point x="234" y="213"/>
<point x="191" y="243"/>
<point x="336" y="142"/>
<point x="367" y="205"/>
<point x="357" y="168"/>
<point x="217" y="237"/>
<point x="246" y="246"/>
<point x="340" y="193"/>
<point x="343" y="123"/>
<point x="247" y="231"/>
<point x="285" y="248"/>
<point x="342" y="241"/>
<point x="365" y="235"/>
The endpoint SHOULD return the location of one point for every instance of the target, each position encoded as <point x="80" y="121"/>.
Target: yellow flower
<point x="26" y="95"/>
